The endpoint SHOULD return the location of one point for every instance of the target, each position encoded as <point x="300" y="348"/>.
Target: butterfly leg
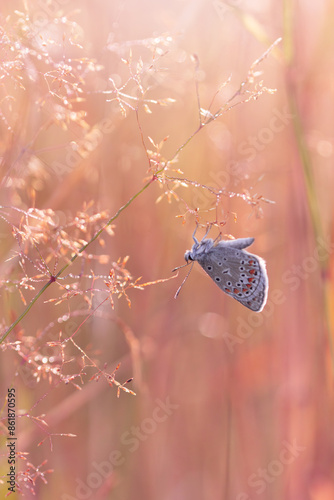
<point x="219" y="237"/>
<point x="194" y="238"/>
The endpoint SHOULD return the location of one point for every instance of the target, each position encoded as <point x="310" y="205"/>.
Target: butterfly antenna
<point x="185" y="279"/>
<point x="180" y="267"/>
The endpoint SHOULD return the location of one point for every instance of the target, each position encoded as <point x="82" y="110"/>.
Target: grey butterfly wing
<point x="239" y="243"/>
<point x="238" y="273"/>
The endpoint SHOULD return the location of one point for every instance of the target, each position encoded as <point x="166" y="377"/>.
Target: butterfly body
<point x="238" y="273"/>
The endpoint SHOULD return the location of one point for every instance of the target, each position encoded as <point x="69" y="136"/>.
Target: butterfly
<point x="238" y="273"/>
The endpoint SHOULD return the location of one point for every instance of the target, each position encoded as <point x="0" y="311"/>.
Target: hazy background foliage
<point x="251" y="399"/>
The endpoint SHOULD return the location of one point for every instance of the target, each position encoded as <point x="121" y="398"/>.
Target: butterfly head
<point x="188" y="256"/>
<point x="198" y="249"/>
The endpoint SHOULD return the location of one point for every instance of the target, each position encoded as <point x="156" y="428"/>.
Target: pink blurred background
<point x="229" y="403"/>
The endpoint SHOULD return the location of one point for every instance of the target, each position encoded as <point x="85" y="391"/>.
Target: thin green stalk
<point x="119" y="211"/>
<point x="307" y="168"/>
<point x="305" y="161"/>
<point x="54" y="278"/>
<point x="288" y="31"/>
<point x="314" y="208"/>
<point x="27" y="309"/>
